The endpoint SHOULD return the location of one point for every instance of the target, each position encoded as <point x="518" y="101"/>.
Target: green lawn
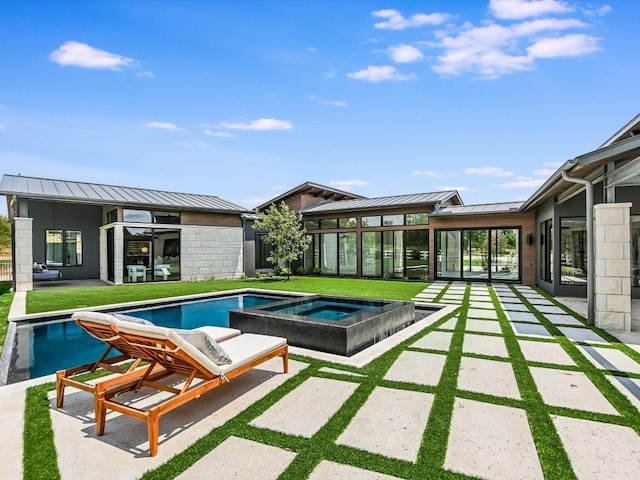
<point x="62" y="299"/>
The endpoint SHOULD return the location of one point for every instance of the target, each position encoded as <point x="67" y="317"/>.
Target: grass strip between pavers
<point x="39" y="459"/>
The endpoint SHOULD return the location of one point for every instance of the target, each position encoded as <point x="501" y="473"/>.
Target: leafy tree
<point x="285" y="234"/>
<point x="5" y="235"/>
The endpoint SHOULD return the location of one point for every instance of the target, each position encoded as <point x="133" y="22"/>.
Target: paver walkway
<point x="513" y="385"/>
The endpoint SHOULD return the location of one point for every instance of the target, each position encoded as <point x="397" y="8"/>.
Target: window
<point x="573" y="250"/>
<point x="329" y="223"/>
<point x="63" y="248"/>
<point x="329" y="253"/>
<point x="416" y="219"/>
<point x="112" y="216"/>
<point x="311" y="224"/>
<point x="392" y="220"/>
<point x="150" y="216"/>
<point x="546" y="251"/>
<point x="373" y="221"/>
<point x="263" y="251"/>
<point x="347" y="222"/>
<point x="635" y="250"/>
<point x="372" y="254"/>
<point x="448" y="246"/>
<point x="151" y="254"/>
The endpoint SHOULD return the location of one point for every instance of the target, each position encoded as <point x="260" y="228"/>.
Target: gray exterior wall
<point x="63" y="216"/>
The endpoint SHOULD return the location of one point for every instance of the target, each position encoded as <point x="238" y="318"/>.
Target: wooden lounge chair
<point x="101" y="326"/>
<point x="164" y="348"/>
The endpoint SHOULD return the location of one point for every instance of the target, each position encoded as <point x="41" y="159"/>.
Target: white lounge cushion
<point x="220" y="334"/>
<point x="205" y="344"/>
<point x="129" y="318"/>
<point x="248" y="347"/>
<point x="96" y="317"/>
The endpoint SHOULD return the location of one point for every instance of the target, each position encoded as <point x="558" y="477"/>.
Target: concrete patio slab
<point x="481" y="305"/>
<point x="486" y="314"/>
<point x="600" y="450"/>
<point x="492" y="442"/>
<point x="435" y="341"/>
<point x="417" y="367"/>
<point x="336" y="471"/>
<point x="610" y="359"/>
<point x="522" y="317"/>
<point x="484" y="345"/>
<point x="337" y="371"/>
<point x="306" y="409"/>
<point x="564" y="388"/>
<point x="549" y="309"/>
<point x="530" y="330"/>
<point x="488" y="376"/>
<point x="629" y="387"/>
<point x="515" y="307"/>
<point x="240" y="458"/>
<point x="449" y="324"/>
<point x="581" y="335"/>
<point x="545" y="352"/>
<point x="390" y="423"/>
<point x="484" y="326"/>
<point x="563" y="319"/>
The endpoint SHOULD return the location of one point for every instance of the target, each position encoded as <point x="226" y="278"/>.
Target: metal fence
<point x="6" y="271"/>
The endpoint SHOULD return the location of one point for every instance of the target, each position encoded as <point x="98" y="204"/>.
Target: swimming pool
<point x="42" y="349"/>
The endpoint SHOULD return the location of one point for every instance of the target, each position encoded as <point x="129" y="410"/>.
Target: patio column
<point x="23" y="253"/>
<point x="613" y="266"/>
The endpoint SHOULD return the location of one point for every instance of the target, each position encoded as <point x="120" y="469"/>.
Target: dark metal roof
<point x="483" y="209"/>
<point x="83" y="192"/>
<point x="383" y="202"/>
<point x="314" y="189"/>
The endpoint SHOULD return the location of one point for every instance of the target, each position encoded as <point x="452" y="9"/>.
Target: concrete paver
<point x="484" y="345"/>
<point x="435" y="341"/>
<point x="545" y="352"/>
<point x="335" y="471"/>
<point x="486" y="314"/>
<point x="629" y="387"/>
<point x="492" y="442"/>
<point x="483" y="326"/>
<point x="488" y="376"/>
<point x="417" y="367"/>
<point x="563" y="319"/>
<point x="581" y="335"/>
<point x="390" y="423"/>
<point x="530" y="330"/>
<point x="610" y="359"/>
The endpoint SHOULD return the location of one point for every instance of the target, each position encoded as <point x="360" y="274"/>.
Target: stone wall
<point x="23" y="251"/>
<point x="211" y="252"/>
<point x="613" y="266"/>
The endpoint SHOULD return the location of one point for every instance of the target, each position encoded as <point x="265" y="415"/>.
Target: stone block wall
<point x="612" y="231"/>
<point x="23" y="246"/>
<point x="211" y="252"/>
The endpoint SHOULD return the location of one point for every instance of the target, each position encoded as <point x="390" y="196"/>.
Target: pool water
<point x="59" y="345"/>
<point x="326" y="309"/>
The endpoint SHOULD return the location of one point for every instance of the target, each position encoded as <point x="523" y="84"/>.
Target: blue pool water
<point x="55" y="346"/>
<point x="326" y="309"/>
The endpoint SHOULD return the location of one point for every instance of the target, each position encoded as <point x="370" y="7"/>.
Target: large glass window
<point x="635" y="251"/>
<point x="312" y="254"/>
<point x="347" y="253"/>
<point x="573" y="250"/>
<point x="416" y="254"/>
<point x="448" y="246"/>
<point x="371" y="221"/>
<point x="263" y="251"/>
<point x="348" y="222"/>
<point x="329" y="223"/>
<point x="63" y="248"/>
<point x="372" y="254"/>
<point x="150" y="216"/>
<point x="311" y="224"/>
<point x="546" y="251"/>
<point x="393" y="254"/>
<point x="475" y="260"/>
<point x="416" y="219"/>
<point x="505" y="248"/>
<point x="151" y="254"/>
<point x="392" y="220"/>
<point x="329" y="253"/>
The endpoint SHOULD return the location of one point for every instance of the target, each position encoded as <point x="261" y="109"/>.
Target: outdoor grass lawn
<point x="39" y="301"/>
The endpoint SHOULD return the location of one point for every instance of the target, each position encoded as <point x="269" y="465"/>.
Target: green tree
<point x="285" y="234"/>
<point x="5" y="235"/>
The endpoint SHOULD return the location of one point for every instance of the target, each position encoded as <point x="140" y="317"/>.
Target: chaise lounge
<point x="203" y="365"/>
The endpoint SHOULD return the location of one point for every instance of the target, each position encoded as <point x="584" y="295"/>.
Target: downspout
<point x="591" y="277"/>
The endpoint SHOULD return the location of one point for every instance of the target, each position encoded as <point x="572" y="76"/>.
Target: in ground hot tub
<point x="339" y="325"/>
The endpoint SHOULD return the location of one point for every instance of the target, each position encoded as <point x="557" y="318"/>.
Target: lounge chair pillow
<point x="205" y="344"/>
<point x="129" y="318"/>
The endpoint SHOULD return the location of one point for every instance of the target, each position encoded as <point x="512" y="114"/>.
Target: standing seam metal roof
<point x="83" y="192"/>
<point x="382" y="202"/>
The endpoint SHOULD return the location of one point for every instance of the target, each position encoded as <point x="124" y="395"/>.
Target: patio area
<point x="510" y="384"/>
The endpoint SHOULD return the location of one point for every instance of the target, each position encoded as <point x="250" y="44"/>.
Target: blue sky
<point x="247" y="99"/>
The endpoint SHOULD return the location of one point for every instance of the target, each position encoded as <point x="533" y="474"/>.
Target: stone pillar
<point x="612" y="225"/>
<point x="23" y="246"/>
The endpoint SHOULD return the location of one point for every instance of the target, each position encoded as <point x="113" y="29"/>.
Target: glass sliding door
<point x="371" y="254"/>
<point x="449" y="248"/>
<point x="416" y="254"/>
<point x="329" y="253"/>
<point x="151" y="254"/>
<point x="475" y="262"/>
<point x="505" y="253"/>
<point x="573" y="251"/>
<point x="347" y="253"/>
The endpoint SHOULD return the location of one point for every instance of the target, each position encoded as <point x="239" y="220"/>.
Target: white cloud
<point x="82" y="55"/>
<point x="255" y="201"/>
<point x="396" y="21"/>
<point x="329" y="103"/>
<point x="597" y="12"/>
<point x="213" y="133"/>
<point x="459" y="189"/>
<point x="379" y="74"/>
<point x="311" y="49"/>
<point x="519" y="9"/>
<point x="488" y="172"/>
<point x="348" y="184"/>
<point x="330" y="74"/>
<point x="162" y="125"/>
<point x="261" y="124"/>
<point x="554" y="165"/>
<point x="405" y="54"/>
<point x="523" y="183"/>
<point x="429" y="173"/>
<point x="567" y="46"/>
<point x="145" y="74"/>
<point x="543" y="172"/>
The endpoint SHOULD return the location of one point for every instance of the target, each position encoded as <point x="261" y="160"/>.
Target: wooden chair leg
<point x="153" y="429"/>
<point x="285" y="359"/>
<point x="59" y="389"/>
<point x="101" y="415"/>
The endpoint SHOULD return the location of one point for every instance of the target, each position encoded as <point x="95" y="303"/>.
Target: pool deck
<point x="534" y="385"/>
